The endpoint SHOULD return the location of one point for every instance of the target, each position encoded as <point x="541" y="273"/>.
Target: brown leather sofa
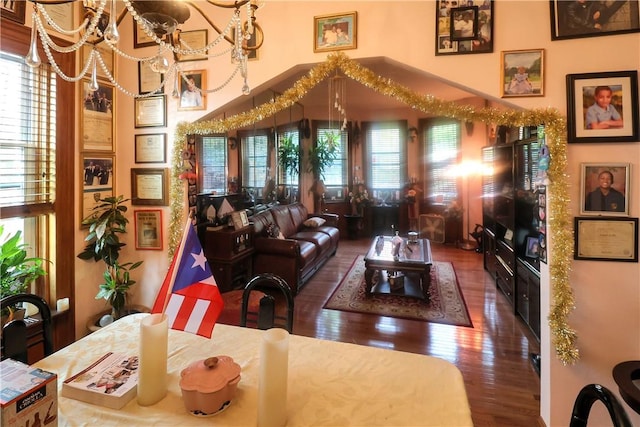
<point x="300" y="251"/>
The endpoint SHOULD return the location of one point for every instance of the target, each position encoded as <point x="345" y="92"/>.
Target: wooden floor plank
<point x="493" y="356"/>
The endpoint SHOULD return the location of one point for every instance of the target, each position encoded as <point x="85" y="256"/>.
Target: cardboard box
<point x="28" y="395"/>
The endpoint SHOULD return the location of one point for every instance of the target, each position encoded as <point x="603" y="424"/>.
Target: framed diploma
<point x="107" y="54"/>
<point x="61" y="14"/>
<point x="150" y="187"/>
<point x="148" y="80"/>
<point x="150" y="111"/>
<point x="140" y="38"/>
<point x="606" y="239"/>
<point x="148" y="229"/>
<point x="97" y="114"/>
<point x="193" y="40"/>
<point x="151" y="148"/>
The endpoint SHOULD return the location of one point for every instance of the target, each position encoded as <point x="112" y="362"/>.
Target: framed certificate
<point x="107" y="54"/>
<point x="148" y="80"/>
<point x="193" y="40"/>
<point x="150" y="187"/>
<point x="606" y="239"/>
<point x="148" y="229"/>
<point x="97" y="114"/>
<point x="151" y="148"/>
<point x="150" y="111"/>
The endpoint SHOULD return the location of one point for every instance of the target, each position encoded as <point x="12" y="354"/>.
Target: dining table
<point x="330" y="383"/>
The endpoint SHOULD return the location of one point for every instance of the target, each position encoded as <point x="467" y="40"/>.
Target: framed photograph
<point x="252" y="42"/>
<point x="140" y="38"/>
<point x="148" y="228"/>
<point x="574" y="19"/>
<point x="197" y="39"/>
<point x="532" y="247"/>
<point x="239" y="219"/>
<point x="107" y="54"/>
<point x="602" y="107"/>
<point x="335" y="32"/>
<point x="97" y="112"/>
<point x="606" y="239"/>
<point x="151" y="148"/>
<point x="191" y="95"/>
<point x="522" y="73"/>
<point x="150" y="187"/>
<point x="98" y="176"/>
<point x="463" y="30"/>
<point x="605" y="189"/>
<point x="150" y="111"/>
<point x="13" y="10"/>
<point x="148" y="80"/>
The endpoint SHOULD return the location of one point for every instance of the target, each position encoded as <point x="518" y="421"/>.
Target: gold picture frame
<point x="98" y="180"/>
<point x="150" y="186"/>
<point x="97" y="117"/>
<point x="151" y="148"/>
<point x="192" y="96"/>
<point x="335" y="32"/>
<point x="196" y="39"/>
<point x="522" y="73"/>
<point x="150" y="111"/>
<point x="148" y="229"/>
<point x="107" y="54"/>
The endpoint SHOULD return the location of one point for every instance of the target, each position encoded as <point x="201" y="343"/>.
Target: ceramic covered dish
<point x="208" y="385"/>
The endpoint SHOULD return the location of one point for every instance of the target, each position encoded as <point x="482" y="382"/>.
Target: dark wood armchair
<point x="21" y="335"/>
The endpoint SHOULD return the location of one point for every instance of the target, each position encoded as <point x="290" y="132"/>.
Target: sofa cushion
<point x="282" y="217"/>
<point x="318" y="238"/>
<point x="314" y="222"/>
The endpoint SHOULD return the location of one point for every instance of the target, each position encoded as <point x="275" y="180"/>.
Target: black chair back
<point x="15" y="333"/>
<point x="585" y="400"/>
<point x="268" y="315"/>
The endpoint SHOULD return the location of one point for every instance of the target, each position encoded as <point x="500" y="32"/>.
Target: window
<point x="442" y="148"/>
<point x="255" y="160"/>
<point x="336" y="176"/>
<point x="212" y="164"/>
<point x="291" y="177"/>
<point x="386" y="158"/>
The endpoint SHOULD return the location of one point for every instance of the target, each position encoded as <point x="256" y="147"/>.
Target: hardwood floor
<point x="502" y="386"/>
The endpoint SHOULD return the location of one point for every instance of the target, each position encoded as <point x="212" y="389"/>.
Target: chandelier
<point x="160" y="21"/>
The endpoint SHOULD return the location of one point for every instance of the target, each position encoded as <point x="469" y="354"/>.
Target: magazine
<point x="110" y="381"/>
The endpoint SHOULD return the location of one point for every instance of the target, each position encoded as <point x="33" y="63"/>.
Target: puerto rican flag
<point x="189" y="295"/>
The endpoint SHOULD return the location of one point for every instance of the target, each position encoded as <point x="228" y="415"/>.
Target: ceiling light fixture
<point x="160" y="21"/>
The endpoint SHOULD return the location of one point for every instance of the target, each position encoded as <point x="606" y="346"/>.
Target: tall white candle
<point x="152" y="371"/>
<point x="272" y="385"/>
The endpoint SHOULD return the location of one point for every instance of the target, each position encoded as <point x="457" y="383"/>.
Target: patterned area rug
<point x="446" y="303"/>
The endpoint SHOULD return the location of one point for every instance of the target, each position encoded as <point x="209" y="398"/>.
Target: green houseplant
<point x="289" y="157"/>
<point x="321" y="156"/>
<point x="106" y="223"/>
<point x="17" y="269"/>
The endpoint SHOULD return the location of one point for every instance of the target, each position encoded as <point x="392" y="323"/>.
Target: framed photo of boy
<point x="522" y="73"/>
<point x="593" y="18"/>
<point x="335" y="32"/>
<point x="148" y="228"/>
<point x="602" y="107"/>
<point x="191" y="95"/>
<point x="604" y="189"/>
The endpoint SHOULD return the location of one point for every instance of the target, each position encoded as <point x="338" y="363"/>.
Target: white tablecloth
<point x="330" y="383"/>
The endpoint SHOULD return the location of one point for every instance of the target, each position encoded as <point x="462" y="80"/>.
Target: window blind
<point x="336" y="175"/>
<point x="254" y="159"/>
<point x="386" y="156"/>
<point x="27" y="135"/>
<point x="213" y="164"/>
<point x="443" y="142"/>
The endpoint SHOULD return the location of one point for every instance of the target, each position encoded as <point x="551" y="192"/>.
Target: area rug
<point x="446" y="303"/>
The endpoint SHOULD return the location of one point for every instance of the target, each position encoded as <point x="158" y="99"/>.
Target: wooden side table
<point x="230" y="255"/>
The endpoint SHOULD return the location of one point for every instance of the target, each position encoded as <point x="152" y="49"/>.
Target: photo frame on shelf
<point x="148" y="229"/>
<point x="239" y="219"/>
<point x="150" y="186"/>
<point x="606" y="239"/>
<point x="14" y="10"/>
<point x="196" y="39"/>
<point x="522" y="73"/>
<point x="96" y="117"/>
<point x="618" y="17"/>
<point x="466" y="39"/>
<point x="335" y="32"/>
<point x="604" y="189"/>
<point x="602" y="107"/>
<point x="192" y="96"/>
<point x="98" y="180"/>
<point x="148" y="80"/>
<point x="150" y="111"/>
<point x="151" y="148"/>
<point x="141" y="39"/>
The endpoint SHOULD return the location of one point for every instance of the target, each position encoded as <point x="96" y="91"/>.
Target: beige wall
<point x="607" y="314"/>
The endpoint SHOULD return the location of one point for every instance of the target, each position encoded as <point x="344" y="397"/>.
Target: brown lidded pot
<point x="208" y="385"/>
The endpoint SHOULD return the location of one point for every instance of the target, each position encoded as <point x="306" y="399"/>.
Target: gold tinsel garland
<point x="564" y="337"/>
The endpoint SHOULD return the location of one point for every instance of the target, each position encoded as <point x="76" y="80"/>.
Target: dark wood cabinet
<point x="229" y="253"/>
<point x="528" y="296"/>
<point x="490" y="260"/>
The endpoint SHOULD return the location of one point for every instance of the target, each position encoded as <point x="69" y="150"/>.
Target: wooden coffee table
<point x="413" y="258"/>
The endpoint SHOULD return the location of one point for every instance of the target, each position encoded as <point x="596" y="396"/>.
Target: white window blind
<point x="254" y="160"/>
<point x="386" y="156"/>
<point x="27" y="134"/>
<point x="213" y="164"/>
<point x="443" y="141"/>
<point x="336" y="175"/>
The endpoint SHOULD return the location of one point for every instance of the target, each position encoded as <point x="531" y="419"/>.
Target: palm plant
<point x="289" y="157"/>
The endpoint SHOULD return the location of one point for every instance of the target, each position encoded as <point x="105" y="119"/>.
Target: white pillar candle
<point x="152" y="373"/>
<point x="272" y="386"/>
<point x="62" y="304"/>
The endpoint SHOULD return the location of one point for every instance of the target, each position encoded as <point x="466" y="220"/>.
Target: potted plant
<point x="17" y="269"/>
<point x="106" y="223"/>
<point x="289" y="158"/>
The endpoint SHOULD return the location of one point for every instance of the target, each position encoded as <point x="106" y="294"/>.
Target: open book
<point x="110" y="381"/>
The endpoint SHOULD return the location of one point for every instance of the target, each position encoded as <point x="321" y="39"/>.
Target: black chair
<point x="268" y="316"/>
<point x="15" y="333"/>
<point x="585" y="400"/>
<point x="625" y="374"/>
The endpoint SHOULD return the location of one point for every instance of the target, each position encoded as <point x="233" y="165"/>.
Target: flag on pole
<point x="189" y="295"/>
